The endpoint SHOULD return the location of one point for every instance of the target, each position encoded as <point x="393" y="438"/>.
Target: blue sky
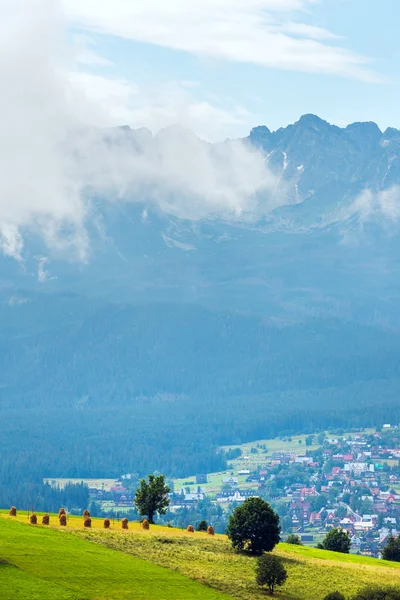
<point x="224" y="66"/>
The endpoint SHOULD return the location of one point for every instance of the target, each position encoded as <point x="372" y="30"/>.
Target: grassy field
<point x="95" y="564"/>
<point x="312" y="573"/>
<point x="48" y="564"/>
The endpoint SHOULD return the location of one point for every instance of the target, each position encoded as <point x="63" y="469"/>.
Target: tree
<point x="270" y="572"/>
<point x="152" y="497"/>
<point x="202" y="526"/>
<point x="336" y="540"/>
<point x="341" y="512"/>
<point x="254" y="527"/>
<point x="294" y="539"/>
<point x="319" y="502"/>
<point x="378" y="593"/>
<point x="287" y="524"/>
<point x="392" y="550"/>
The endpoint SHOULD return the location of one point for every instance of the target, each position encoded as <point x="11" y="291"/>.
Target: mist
<point x="52" y="164"/>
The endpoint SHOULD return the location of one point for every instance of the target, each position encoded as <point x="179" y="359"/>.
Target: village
<point x="314" y="482"/>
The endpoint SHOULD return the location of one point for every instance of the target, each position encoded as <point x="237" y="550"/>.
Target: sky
<point x="216" y="67"/>
<point x="224" y="66"/>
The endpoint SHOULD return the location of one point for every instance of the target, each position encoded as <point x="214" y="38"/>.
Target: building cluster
<point x="348" y="481"/>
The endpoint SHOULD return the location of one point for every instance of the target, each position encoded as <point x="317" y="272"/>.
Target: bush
<point x="61" y="512"/>
<point x="270" y="572"/>
<point x="87" y="522"/>
<point x="45" y="520"/>
<point x="294" y="539"/>
<point x="202" y="526"/>
<point x="392" y="550"/>
<point x="13" y="512"/>
<point x="254" y="527"/>
<point x="210" y="530"/>
<point x="336" y="540"/>
<point x="33" y="519"/>
<point x="378" y="593"/>
<point x="63" y="520"/>
<point x="124" y="523"/>
<point x="334" y="596"/>
<point x="145" y="524"/>
<point x="190" y="529"/>
<point x="106" y="524"/>
<point x="86" y="513"/>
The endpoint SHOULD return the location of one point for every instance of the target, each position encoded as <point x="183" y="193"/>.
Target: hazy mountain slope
<point x="175" y="321"/>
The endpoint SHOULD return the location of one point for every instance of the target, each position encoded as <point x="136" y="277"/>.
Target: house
<point x="306" y="492"/>
<point x="201" y="478"/>
<point x="230" y="480"/>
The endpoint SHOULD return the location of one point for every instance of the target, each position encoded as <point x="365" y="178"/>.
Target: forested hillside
<point x="176" y="335"/>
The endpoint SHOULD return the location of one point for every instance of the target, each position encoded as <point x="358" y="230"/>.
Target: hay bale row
<point x="45" y="520"/>
<point x="106" y="524"/>
<point x="190" y="529"/>
<point x="124" y="523"/>
<point x="63" y="520"/>
<point x="33" y="519"/>
<point x="145" y="524"/>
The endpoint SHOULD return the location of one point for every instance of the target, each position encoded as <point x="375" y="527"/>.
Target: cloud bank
<point x="262" y="32"/>
<point x="52" y="164"/>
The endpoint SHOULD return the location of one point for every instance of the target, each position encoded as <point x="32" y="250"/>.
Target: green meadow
<point x="45" y="563"/>
<point x="73" y="563"/>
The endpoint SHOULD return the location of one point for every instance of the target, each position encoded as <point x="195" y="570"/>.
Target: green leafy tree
<point x="287" y="524"/>
<point x="319" y="502"/>
<point x="202" y="526"/>
<point x="152" y="497"/>
<point x="334" y="596"/>
<point x="378" y="593"/>
<point x="341" y="512"/>
<point x="294" y="539"/>
<point x="392" y="550"/>
<point x="336" y="540"/>
<point x="270" y="572"/>
<point x="254" y="527"/>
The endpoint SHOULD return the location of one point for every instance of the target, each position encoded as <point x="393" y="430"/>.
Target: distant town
<point x="314" y="482"/>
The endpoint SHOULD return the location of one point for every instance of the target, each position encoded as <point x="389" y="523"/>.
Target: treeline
<point x="37" y="496"/>
<point x="98" y="392"/>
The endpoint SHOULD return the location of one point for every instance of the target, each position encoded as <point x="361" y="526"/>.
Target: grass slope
<point x="50" y="564"/>
<point x="312" y="573"/>
<point x="97" y="571"/>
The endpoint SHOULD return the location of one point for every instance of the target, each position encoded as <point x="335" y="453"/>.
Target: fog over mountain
<point x="251" y="283"/>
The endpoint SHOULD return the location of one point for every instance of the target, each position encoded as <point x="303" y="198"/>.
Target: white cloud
<point x="85" y="54"/>
<point x="378" y="206"/>
<point x="51" y="163"/>
<point x="263" y="32"/>
<point x="120" y="101"/>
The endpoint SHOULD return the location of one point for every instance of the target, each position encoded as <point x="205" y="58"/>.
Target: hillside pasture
<point x="312" y="573"/>
<point x="43" y="563"/>
<point x="101" y="561"/>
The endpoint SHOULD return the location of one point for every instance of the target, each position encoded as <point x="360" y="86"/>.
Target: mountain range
<point x="283" y="320"/>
